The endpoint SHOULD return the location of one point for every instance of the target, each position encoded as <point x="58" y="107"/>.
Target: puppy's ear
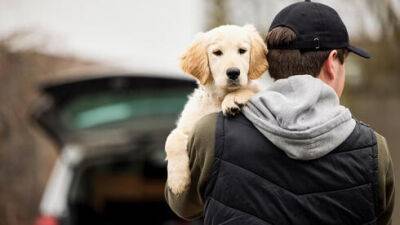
<point x="195" y="61"/>
<point x="258" y="54"/>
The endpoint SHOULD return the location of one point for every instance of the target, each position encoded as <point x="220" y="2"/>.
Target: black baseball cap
<point x="317" y="27"/>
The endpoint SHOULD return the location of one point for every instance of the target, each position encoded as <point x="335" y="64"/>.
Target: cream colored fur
<point x="215" y="92"/>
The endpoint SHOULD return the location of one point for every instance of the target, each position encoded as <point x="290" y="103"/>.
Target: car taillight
<point x="47" y="220"/>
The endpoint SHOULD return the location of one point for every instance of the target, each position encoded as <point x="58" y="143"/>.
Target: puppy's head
<point x="226" y="56"/>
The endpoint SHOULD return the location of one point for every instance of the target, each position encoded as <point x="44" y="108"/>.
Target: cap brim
<point x="359" y="51"/>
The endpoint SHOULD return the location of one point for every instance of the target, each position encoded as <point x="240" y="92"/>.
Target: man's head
<point x="328" y="65"/>
<point x="309" y="38"/>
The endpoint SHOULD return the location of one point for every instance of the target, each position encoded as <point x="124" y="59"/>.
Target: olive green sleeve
<point x="385" y="182"/>
<point x="189" y="205"/>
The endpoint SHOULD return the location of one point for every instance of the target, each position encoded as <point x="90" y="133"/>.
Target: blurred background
<point x="69" y="94"/>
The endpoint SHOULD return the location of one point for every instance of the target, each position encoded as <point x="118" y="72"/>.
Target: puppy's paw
<point x="178" y="174"/>
<point x="233" y="102"/>
<point x="229" y="106"/>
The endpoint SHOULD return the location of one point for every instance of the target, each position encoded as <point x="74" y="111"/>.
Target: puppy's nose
<point x="233" y="73"/>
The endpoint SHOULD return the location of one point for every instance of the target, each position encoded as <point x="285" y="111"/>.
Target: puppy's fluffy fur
<point x="209" y="59"/>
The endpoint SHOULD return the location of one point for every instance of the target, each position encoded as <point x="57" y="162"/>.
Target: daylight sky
<point x="137" y="35"/>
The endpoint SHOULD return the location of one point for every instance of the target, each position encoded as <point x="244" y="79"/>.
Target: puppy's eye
<point x="217" y="52"/>
<point x="242" y="51"/>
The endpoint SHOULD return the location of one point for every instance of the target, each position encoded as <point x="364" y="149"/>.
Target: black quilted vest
<point x="254" y="182"/>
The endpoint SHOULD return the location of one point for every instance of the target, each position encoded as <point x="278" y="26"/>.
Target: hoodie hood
<point x="302" y="116"/>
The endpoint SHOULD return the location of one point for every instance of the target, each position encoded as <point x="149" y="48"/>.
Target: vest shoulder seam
<point x="375" y="167"/>
<point x="344" y="151"/>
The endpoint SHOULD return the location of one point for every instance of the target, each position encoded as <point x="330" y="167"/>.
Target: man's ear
<point x="329" y="65"/>
<point x="258" y="54"/>
<point x="195" y="61"/>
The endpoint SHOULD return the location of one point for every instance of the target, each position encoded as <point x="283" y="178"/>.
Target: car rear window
<point x="104" y="108"/>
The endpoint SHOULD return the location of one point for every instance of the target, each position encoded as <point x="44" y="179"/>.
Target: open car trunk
<point x="78" y="108"/>
<point x="119" y="124"/>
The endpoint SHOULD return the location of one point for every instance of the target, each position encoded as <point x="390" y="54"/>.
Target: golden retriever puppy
<point x="225" y="61"/>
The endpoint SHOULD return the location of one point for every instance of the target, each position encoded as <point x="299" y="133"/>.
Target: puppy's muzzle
<point x="233" y="73"/>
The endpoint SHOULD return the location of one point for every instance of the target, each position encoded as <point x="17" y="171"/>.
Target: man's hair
<point x="284" y="63"/>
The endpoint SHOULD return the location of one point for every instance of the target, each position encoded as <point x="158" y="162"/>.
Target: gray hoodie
<point x="302" y="116"/>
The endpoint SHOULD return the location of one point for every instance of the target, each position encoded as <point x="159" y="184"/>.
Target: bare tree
<point x="216" y="13"/>
<point x="388" y="17"/>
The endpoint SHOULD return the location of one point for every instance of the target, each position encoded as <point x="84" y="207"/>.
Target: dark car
<point x="111" y="132"/>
